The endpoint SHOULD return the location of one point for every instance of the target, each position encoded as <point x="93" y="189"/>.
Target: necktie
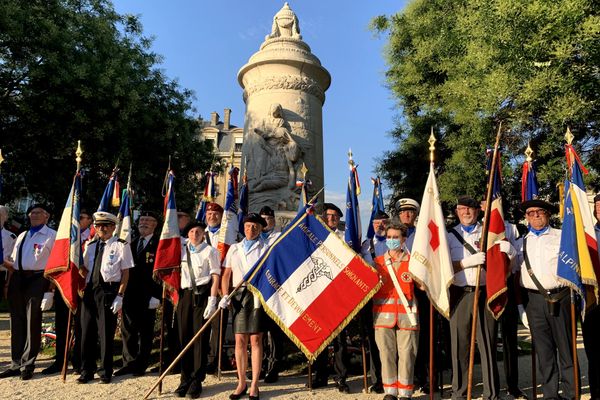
<point x="96" y="277"/>
<point x="141" y="245"/>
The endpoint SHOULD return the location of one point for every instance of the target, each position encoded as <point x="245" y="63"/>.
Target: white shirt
<point x="241" y="262"/>
<point x="205" y="262"/>
<point x="380" y="249"/>
<point x="116" y="257"/>
<point x="272" y="237"/>
<point x="468" y="276"/>
<point x="8" y="243"/>
<point x="542" y="252"/>
<point x="36" y="249"/>
<point x="85" y="234"/>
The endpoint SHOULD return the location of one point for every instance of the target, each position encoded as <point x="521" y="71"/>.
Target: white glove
<point x="117" y="304"/>
<point x="153" y="303"/>
<point x="506" y="248"/>
<point x="210" y="307"/>
<point x="523" y="315"/>
<point x="473" y="260"/>
<point x="224" y="303"/>
<point x="47" y="301"/>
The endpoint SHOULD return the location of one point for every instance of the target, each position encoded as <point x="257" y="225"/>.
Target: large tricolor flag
<point x="243" y="211"/>
<point x="497" y="263"/>
<point x="578" y="262"/>
<point x="430" y="262"/>
<point x="311" y="283"/>
<point x="168" y="254"/>
<point x="124" y="229"/>
<point x="353" y="230"/>
<point x="229" y="221"/>
<point x="111" y="194"/>
<point x="207" y="197"/>
<point x="63" y="267"/>
<point x="529" y="183"/>
<point x="376" y="205"/>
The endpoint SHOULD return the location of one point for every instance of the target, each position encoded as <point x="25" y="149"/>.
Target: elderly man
<point x="25" y="291"/>
<point x="107" y="260"/>
<point x="547" y="303"/>
<point x="466" y="255"/>
<point x="142" y="298"/>
<point x="8" y="243"/>
<point x="408" y="211"/>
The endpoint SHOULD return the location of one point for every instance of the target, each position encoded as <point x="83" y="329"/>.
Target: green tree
<point x="462" y="66"/>
<point x="74" y="70"/>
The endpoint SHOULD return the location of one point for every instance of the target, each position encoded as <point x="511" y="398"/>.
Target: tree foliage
<point x="74" y="70"/>
<point x="462" y="66"/>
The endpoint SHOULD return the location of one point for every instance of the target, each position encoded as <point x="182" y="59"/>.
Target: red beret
<point x="214" y="207"/>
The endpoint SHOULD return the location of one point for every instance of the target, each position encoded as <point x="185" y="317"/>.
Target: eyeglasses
<point x="532" y="213"/>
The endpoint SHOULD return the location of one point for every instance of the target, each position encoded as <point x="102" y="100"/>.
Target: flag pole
<point x="162" y="337"/>
<point x="220" y="344"/>
<point x="63" y="375"/>
<point x="431" y="141"/>
<point x="482" y="247"/>
<point x="569" y="138"/>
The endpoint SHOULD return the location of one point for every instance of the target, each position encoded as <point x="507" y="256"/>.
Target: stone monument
<point x="284" y="91"/>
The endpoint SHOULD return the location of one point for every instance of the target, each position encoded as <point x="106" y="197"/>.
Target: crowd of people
<point x="394" y="324"/>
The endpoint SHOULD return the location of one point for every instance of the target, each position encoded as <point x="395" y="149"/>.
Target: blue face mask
<point x="393" y="244"/>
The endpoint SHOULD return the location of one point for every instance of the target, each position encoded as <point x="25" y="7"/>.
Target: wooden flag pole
<point x="220" y="352"/>
<point x="162" y="337"/>
<point x="431" y="308"/>
<point x="574" y="345"/>
<point x="483" y="247"/>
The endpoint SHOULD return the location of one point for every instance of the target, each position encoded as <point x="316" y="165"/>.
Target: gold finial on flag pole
<point x="528" y="153"/>
<point x="304" y="170"/>
<point x="431" y="142"/>
<point x="78" y="154"/>
<point x="1" y="158"/>
<point x="569" y="136"/>
<point x="350" y="159"/>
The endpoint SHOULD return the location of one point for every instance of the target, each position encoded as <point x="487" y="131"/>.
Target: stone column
<point x="284" y="91"/>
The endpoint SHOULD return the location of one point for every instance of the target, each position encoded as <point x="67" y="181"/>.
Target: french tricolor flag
<point x="168" y="253"/>
<point x="312" y="283"/>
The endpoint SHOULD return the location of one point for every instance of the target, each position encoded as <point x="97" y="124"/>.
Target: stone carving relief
<point x="289" y="82"/>
<point x="285" y="24"/>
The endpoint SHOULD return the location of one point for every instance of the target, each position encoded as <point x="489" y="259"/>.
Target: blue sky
<point x="205" y="43"/>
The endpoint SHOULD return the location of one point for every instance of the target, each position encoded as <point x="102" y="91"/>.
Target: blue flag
<point x="376" y="205"/>
<point x="353" y="232"/>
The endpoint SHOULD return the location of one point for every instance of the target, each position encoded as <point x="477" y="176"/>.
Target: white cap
<point x="103" y="217"/>
<point x="408" y="204"/>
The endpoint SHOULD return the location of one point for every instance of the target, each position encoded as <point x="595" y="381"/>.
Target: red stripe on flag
<point x="341" y="297"/>
<point x="497" y="270"/>
<point x="67" y="278"/>
<point x="168" y="253"/>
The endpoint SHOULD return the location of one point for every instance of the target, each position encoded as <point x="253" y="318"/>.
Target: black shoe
<point x="182" y="389"/>
<point x="105" y="379"/>
<point x="211" y="368"/>
<point x="26" y="374"/>
<point x="376" y="388"/>
<point x="9" y="372"/>
<point x="52" y="369"/>
<point x="343" y="387"/>
<point x="123" y="371"/>
<point x="390" y="397"/>
<point x="403" y="398"/>
<point x="138" y="372"/>
<point x="84" y="378"/>
<point x="234" y="396"/>
<point x="272" y="377"/>
<point x="318" y="383"/>
<point x="518" y="394"/>
<point x="194" y="390"/>
<point x="257" y="397"/>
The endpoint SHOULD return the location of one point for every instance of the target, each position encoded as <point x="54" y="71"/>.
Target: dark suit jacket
<point x="141" y="287"/>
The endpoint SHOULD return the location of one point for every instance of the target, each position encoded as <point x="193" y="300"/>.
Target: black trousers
<point x="215" y="333"/>
<point x="272" y="347"/>
<point x="25" y="293"/>
<point x="137" y="329"/>
<point x="190" y="320"/>
<point x="551" y="335"/>
<point x="321" y="364"/>
<point x="591" y="334"/>
<point x="460" y="336"/>
<point x="98" y="322"/>
<point x="61" y="320"/>
<point x="172" y="335"/>
<point x="421" y="377"/>
<point x="508" y="328"/>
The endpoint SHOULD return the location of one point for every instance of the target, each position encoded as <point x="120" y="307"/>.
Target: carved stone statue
<point x="285" y="24"/>
<point x="280" y="152"/>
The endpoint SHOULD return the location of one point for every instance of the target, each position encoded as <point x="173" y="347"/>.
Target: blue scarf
<point x="248" y="243"/>
<point x="538" y="232"/>
<point x="468" y="228"/>
<point x="265" y="234"/>
<point x="380" y="238"/>
<point x="214" y="229"/>
<point x="35" y="229"/>
<point x="410" y="230"/>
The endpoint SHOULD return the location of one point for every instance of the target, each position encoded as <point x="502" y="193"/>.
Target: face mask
<point x="393" y="244"/>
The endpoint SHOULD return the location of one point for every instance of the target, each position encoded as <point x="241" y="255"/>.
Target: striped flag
<point x="111" y="188"/>
<point x="353" y="231"/>
<point x="376" y="205"/>
<point x="311" y="283"/>
<point x="243" y="211"/>
<point x="497" y="263"/>
<point x="207" y="197"/>
<point x="229" y="222"/>
<point x="63" y="267"/>
<point x="124" y="228"/>
<point x="430" y="262"/>
<point x="529" y="183"/>
<point x="168" y="254"/>
<point x="578" y="262"/>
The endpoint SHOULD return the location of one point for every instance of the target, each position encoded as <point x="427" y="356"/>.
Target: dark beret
<point x="381" y="215"/>
<point x="551" y="208"/>
<point x="254" y="217"/>
<point x="467" y="201"/>
<point x="86" y="212"/>
<point x="150" y="214"/>
<point x="38" y="205"/>
<point x="193" y="224"/>
<point x="331" y="206"/>
<point x="266" y="210"/>
<point x="214" y="207"/>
